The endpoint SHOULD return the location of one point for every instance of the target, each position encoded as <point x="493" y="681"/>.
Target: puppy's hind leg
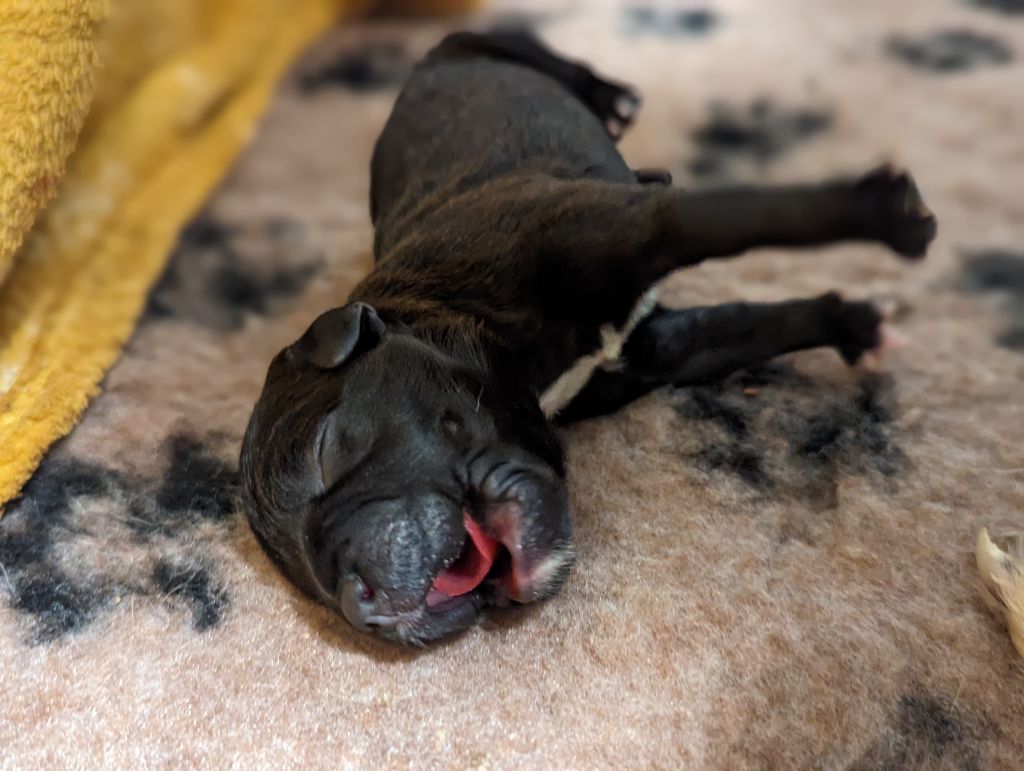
<point x="614" y="104"/>
<point x="701" y="345"/>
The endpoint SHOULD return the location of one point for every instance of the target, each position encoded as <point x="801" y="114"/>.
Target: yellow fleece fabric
<point x="146" y="103"/>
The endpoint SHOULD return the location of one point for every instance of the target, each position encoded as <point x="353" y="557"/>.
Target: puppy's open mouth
<point x="483" y="558"/>
<point x="491" y="568"/>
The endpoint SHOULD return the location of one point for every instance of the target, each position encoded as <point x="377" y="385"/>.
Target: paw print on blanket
<point x="220" y="274"/>
<point x="929" y="730"/>
<point x="1006" y="7"/>
<point x="758" y="133"/>
<point x="783" y="435"/>
<point x="999" y="273"/>
<point x="84" y="540"/>
<point x="669" y="22"/>
<point x="370" y="66"/>
<point x="949" y="51"/>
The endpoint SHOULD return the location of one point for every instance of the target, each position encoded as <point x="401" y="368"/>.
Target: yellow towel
<point x="159" y="96"/>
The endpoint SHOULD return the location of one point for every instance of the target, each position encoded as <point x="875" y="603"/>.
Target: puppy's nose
<point x="357" y="604"/>
<point x="366" y="609"/>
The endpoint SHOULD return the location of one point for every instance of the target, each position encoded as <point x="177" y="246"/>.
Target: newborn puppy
<point x="398" y="466"/>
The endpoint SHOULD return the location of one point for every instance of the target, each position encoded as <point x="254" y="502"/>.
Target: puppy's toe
<point x="872" y="360"/>
<point x="627" y="105"/>
<point x="860" y="333"/>
<point x="615" y="105"/>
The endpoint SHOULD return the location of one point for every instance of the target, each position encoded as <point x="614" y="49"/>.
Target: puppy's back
<point x="461" y="122"/>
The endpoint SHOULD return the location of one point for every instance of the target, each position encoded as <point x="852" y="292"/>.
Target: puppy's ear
<point x="337" y="335"/>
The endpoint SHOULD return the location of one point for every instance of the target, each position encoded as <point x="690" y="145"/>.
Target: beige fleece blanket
<point x="775" y="573"/>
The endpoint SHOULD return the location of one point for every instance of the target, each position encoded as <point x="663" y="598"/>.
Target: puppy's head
<point x="399" y="486"/>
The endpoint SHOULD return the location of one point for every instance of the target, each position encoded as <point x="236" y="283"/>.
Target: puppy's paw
<point x="615" y="105"/>
<point x="860" y="333"/>
<point x="873" y="359"/>
<point x="896" y="213"/>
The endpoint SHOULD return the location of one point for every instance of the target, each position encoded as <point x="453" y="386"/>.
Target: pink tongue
<point x="472" y="566"/>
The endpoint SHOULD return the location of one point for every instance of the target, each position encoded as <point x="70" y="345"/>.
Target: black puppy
<point x="398" y="466"/>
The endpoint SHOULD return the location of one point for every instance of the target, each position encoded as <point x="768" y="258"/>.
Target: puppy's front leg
<point x="605" y="240"/>
<point x="883" y="206"/>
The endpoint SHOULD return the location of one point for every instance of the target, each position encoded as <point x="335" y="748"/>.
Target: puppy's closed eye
<point x="340" y="451"/>
<point x="452" y="425"/>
